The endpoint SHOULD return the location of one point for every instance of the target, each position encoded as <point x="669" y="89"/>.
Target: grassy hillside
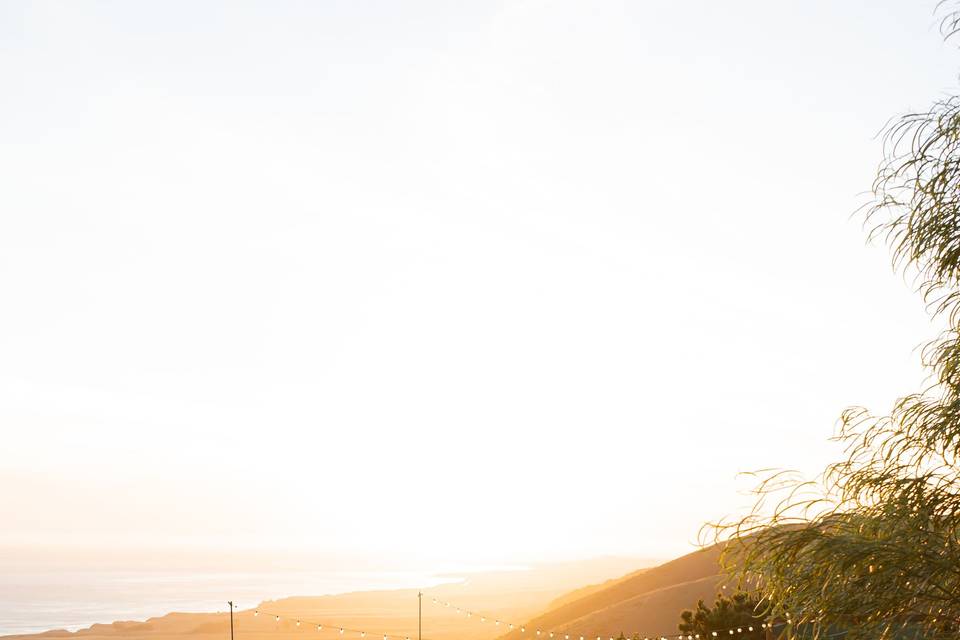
<point x="647" y="602"/>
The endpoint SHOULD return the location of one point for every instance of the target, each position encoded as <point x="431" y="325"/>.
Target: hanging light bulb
<point x="319" y="627"/>
<point x="538" y="631"/>
<point x="278" y="618"/>
<point x="256" y="613"/>
<point x="363" y="634"/>
<point x="739" y="630"/>
<point x="341" y="630"/>
<point x="731" y="631"/>
<point x="714" y="633"/>
<point x="298" y="623"/>
<point x="749" y="628"/>
<point x="482" y="619"/>
<point x="523" y="629"/>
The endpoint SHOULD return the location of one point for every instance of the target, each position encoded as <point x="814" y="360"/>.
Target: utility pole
<point x="419" y="615"/>
<point x="230" y="602"/>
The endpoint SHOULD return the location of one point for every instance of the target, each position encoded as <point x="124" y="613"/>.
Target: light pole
<point x="419" y="615"/>
<point x="230" y="602"/>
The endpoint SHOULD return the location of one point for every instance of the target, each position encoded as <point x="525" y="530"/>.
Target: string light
<point x="320" y="626"/>
<point x="566" y="636"/>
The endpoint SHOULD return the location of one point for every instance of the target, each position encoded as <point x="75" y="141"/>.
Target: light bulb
<point x="298" y="623"/>
<point x="278" y="618"/>
<point x="256" y="613"/>
<point x="319" y="627"/>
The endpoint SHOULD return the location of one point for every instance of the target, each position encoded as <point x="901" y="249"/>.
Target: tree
<point x="873" y="544"/>
<point x="742" y="611"/>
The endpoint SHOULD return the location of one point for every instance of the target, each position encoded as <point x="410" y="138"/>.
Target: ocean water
<point x="38" y="600"/>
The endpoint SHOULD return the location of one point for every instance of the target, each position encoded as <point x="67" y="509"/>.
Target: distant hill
<point x="647" y="602"/>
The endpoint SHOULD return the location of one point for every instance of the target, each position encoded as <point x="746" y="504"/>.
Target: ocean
<point x="39" y="600"/>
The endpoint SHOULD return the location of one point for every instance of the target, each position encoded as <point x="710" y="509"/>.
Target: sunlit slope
<point x="647" y="602"/>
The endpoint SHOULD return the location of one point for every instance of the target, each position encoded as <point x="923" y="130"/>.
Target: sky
<point x="472" y="281"/>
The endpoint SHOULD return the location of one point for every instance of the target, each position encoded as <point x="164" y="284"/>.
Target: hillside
<point x="647" y="602"/>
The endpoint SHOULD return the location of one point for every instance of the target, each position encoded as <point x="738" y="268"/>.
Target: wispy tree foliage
<point x="871" y="546"/>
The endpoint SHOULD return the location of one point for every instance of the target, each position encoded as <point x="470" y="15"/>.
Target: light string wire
<point x="541" y="634"/>
<point x="324" y="626"/>
<point x="342" y="630"/>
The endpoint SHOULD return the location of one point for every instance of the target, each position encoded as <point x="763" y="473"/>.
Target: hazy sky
<point x="474" y="281"/>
